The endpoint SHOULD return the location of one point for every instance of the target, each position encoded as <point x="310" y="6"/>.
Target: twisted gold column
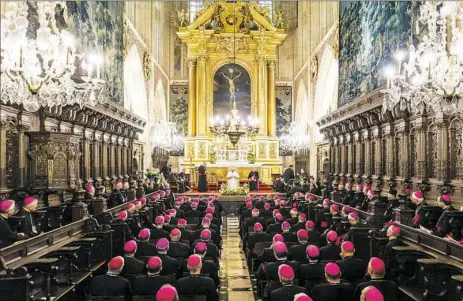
<point x="191" y="97"/>
<point x="271" y="108"/>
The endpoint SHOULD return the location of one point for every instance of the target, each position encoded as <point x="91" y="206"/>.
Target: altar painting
<point x="284" y="109"/>
<point x="232" y="79"/>
<point x="369" y="34"/>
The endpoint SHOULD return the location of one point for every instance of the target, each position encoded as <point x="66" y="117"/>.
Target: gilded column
<point x="191" y="97"/>
<point x="272" y="112"/>
<point x="3" y="155"/>
<point x="201" y="103"/>
<point x="262" y="101"/>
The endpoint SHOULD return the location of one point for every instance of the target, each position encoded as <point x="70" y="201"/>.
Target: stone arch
<point x="134" y="84"/>
<point x="326" y="89"/>
<point x="160" y="110"/>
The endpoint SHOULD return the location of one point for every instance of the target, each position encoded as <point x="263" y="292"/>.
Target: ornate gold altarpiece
<point x="224" y="33"/>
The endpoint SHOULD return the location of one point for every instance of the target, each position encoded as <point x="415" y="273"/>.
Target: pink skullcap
<point x="309" y="196"/>
<point x="206" y="234"/>
<point x="302" y="234"/>
<point x="194" y="261"/>
<point x="166" y="293"/>
<point x="371" y="192"/>
<point x="162" y="193"/>
<point x="172" y="211"/>
<point x="418" y="195"/>
<point x="278" y="238"/>
<point x="162" y="244"/>
<point x="353" y="215"/>
<point x="144" y="233"/>
<point x="395" y="230"/>
<point x="309" y="225"/>
<point x="137" y="203"/>
<point x="377" y="265"/>
<point x="359" y="186"/>
<point x="181" y="221"/>
<point x="278" y="217"/>
<point x="154" y="263"/>
<point x="153" y="198"/>
<point x="302" y="297"/>
<point x="326" y="202"/>
<point x="258" y="227"/>
<point x="248" y="205"/>
<point x="159" y="220"/>
<point x="407" y="191"/>
<point x="122" y="215"/>
<point x="210" y="198"/>
<point x="194" y="205"/>
<point x="208" y="216"/>
<point x="89" y="188"/>
<point x="261" y="198"/>
<point x="29" y="200"/>
<point x="312" y="251"/>
<point x="293" y="210"/>
<point x="349" y="184"/>
<point x="283" y="203"/>
<point x="255" y="210"/>
<point x="267" y="206"/>
<point x="167" y="192"/>
<point x="200" y="196"/>
<point x="373" y="294"/>
<point x="201" y="247"/>
<point x="302" y="217"/>
<point x="332" y="236"/>
<point x="177" y="204"/>
<point x="332" y="269"/>
<point x="130" y="246"/>
<point x="285" y="226"/>
<point x="279" y="247"/>
<point x="346" y="209"/>
<point x="210" y="210"/>
<point x="116" y="263"/>
<point x="446" y="198"/>
<point x="167" y="219"/>
<point x="175" y="233"/>
<point x="276" y="197"/>
<point x="142" y="200"/>
<point x="119" y="184"/>
<point x="216" y="195"/>
<point x="286" y="271"/>
<point x="6" y="205"/>
<point x="348" y="246"/>
<point x="275" y="212"/>
<point x="130" y="206"/>
<point x="334" y="207"/>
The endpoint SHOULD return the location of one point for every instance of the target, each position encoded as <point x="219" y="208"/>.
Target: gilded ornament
<point x="147" y="66"/>
<point x="279" y="22"/>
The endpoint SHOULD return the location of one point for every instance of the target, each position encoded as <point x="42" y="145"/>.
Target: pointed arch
<point x="302" y="103"/>
<point x="134" y="84"/>
<point x="160" y="111"/>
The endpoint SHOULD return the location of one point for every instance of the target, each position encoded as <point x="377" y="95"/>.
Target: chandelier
<point x="166" y="136"/>
<point x="233" y="128"/>
<point x="296" y="139"/>
<point x="39" y="71"/>
<point x="432" y="76"/>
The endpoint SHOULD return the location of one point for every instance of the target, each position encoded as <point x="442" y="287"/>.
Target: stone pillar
<point x="390" y="153"/>
<point x="3" y="126"/>
<point x="261" y="94"/>
<point x="96" y="158"/>
<point x="421" y="147"/>
<point x="105" y="158"/>
<point x="405" y="166"/>
<point x="112" y="153"/>
<point x="367" y="154"/>
<point x="191" y="97"/>
<point x="119" y="156"/>
<point x="272" y="105"/>
<point x="349" y="154"/>
<point x="443" y="148"/>
<point x="22" y="155"/>
<point x="358" y="150"/>
<point x="130" y="158"/>
<point x="123" y="158"/>
<point x="343" y="158"/>
<point x="201" y="103"/>
<point x="86" y="157"/>
<point x="378" y="156"/>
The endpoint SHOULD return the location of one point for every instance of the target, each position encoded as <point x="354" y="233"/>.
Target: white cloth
<point x="233" y="180"/>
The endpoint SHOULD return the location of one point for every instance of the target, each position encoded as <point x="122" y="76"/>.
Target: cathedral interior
<point x="231" y="150"/>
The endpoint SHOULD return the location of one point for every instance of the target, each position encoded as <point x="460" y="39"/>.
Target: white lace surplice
<point x="233" y="180"/>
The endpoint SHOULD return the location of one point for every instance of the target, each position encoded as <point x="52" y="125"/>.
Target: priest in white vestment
<point x="233" y="179"/>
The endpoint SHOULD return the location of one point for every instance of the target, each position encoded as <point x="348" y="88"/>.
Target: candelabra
<point x="40" y="71"/>
<point x="431" y="76"/>
<point x="296" y="139"/>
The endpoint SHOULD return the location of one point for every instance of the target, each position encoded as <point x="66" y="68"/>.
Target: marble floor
<point x="235" y="280"/>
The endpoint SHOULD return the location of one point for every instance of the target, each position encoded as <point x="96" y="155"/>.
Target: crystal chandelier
<point x="166" y="136"/>
<point x="432" y="75"/>
<point x="39" y="71"/>
<point x="296" y="139"/>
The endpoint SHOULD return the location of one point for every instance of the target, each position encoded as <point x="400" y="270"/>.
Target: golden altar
<point x="242" y="33"/>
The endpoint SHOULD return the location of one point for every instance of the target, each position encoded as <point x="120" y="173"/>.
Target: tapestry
<point x="369" y="34"/>
<point x="178" y="108"/>
<point x="97" y="26"/>
<point x="284" y="109"/>
<point x="232" y="82"/>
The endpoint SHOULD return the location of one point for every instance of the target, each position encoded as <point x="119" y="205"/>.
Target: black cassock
<point x="202" y="183"/>
<point x="253" y="183"/>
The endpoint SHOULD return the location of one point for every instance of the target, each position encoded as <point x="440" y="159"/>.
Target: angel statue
<point x="182" y="17"/>
<point x="279" y="23"/>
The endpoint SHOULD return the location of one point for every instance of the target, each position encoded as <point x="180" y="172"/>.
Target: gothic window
<point x="398" y="155"/>
<point x="195" y="6"/>
<point x="456" y="150"/>
<point x="432" y="152"/>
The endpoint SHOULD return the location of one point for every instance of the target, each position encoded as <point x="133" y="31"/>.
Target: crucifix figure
<point x="231" y="83"/>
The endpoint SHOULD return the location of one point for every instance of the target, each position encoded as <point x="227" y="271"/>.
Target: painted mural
<point x="232" y="79"/>
<point x="369" y="34"/>
<point x="178" y="108"/>
<point x="284" y="106"/>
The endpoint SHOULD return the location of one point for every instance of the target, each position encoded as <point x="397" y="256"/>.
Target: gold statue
<point x="231" y="83"/>
<point x="182" y="17"/>
<point x="279" y="23"/>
